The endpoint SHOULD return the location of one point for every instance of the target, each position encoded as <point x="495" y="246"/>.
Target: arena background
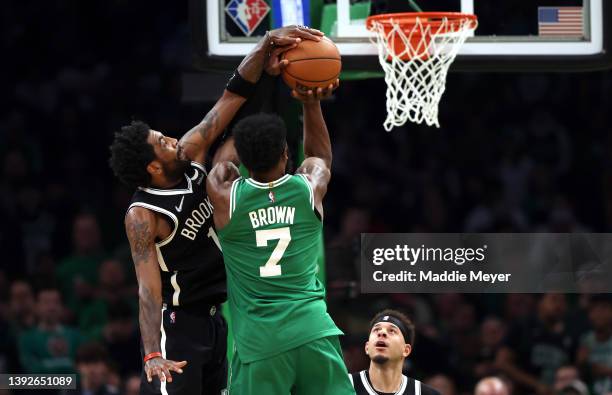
<point x="516" y="153"/>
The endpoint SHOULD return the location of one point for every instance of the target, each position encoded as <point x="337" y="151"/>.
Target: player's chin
<point x="380" y="358"/>
<point x="382" y="351"/>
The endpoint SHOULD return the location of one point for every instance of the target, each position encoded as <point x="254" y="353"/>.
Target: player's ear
<point x="407" y="350"/>
<point x="366" y="348"/>
<point x="154" y="168"/>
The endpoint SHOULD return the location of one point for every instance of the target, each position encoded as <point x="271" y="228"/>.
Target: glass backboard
<point x="512" y="35"/>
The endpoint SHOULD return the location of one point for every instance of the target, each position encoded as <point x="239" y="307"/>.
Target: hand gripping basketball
<point x="312" y="65"/>
<point x="275" y="64"/>
<point x="315" y="95"/>
<point x="292" y="35"/>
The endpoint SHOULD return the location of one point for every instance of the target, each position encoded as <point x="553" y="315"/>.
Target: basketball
<point x="312" y="64"/>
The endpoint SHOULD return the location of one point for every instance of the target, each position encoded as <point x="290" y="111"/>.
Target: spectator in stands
<point x="22" y="307"/>
<point x="565" y="376"/>
<point x="50" y="346"/>
<point x="534" y="352"/>
<point x="492" y="335"/>
<point x="491" y="386"/>
<point x="111" y="289"/>
<point x="78" y="273"/>
<point x="442" y="383"/>
<point x="519" y="308"/>
<point x="95" y="374"/>
<point x="576" y="387"/>
<point x="464" y="341"/>
<point x="132" y="385"/>
<point x="8" y="353"/>
<point x="595" y="352"/>
<point x="121" y="338"/>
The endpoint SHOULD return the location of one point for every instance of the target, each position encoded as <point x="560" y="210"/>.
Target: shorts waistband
<point x="199" y="308"/>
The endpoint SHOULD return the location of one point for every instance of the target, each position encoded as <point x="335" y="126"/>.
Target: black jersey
<point x="190" y="258"/>
<point x="363" y="386"/>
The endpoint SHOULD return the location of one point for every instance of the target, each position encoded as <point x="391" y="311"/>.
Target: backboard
<point x="559" y="35"/>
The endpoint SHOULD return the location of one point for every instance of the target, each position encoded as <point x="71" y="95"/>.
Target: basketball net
<point x="415" y="51"/>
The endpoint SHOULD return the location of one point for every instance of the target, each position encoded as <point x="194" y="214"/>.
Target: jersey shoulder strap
<point x="234" y="195"/>
<point x="424" y="389"/>
<point x="304" y="179"/>
<point x="363" y="386"/>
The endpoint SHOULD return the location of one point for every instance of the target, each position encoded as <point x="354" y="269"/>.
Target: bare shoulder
<point x="218" y="188"/>
<point x="221" y="177"/>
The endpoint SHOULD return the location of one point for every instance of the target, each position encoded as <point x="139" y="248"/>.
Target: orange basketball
<point x="312" y="64"/>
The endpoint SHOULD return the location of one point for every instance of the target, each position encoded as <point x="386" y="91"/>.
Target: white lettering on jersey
<point x="198" y="217"/>
<point x="272" y="215"/>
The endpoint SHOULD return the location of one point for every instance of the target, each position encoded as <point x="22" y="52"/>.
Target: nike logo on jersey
<point x="179" y="208"/>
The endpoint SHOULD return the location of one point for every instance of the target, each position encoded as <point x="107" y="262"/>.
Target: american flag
<point x="560" y="21"/>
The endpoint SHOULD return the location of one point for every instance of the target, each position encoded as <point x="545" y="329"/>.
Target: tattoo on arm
<point x="140" y="236"/>
<point x="149" y="316"/>
<point x="204" y="130"/>
<point x="209" y="123"/>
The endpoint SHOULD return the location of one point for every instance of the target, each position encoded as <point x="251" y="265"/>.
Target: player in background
<point x="595" y="352"/>
<point x="390" y="343"/>
<point x="491" y="386"/>
<point x="174" y="246"/>
<point x="269" y="225"/>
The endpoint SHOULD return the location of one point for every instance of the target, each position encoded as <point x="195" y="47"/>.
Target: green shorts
<point x="315" y="368"/>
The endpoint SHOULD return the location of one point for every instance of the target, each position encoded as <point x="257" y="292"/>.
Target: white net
<point x="416" y="67"/>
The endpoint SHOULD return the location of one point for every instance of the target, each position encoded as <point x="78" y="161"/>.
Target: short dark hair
<point x="403" y="319"/>
<point x="260" y="140"/>
<point x="131" y="153"/>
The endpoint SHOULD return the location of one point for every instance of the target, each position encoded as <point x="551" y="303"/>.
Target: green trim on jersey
<point x="271" y="247"/>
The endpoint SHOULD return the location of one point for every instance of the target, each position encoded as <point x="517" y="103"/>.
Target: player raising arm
<point x="174" y="246"/>
<point x="269" y="226"/>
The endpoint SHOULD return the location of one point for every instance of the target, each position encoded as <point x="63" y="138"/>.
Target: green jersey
<point x="599" y="353"/>
<point x="44" y="351"/>
<point x="270" y="248"/>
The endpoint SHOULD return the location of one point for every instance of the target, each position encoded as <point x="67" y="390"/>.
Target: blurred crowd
<point x="515" y="153"/>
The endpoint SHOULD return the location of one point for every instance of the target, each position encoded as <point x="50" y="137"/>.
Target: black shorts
<point x="200" y="338"/>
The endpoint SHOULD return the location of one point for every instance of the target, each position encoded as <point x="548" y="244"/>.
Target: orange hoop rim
<point x="408" y="19"/>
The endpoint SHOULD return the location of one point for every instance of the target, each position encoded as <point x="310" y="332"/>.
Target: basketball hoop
<point x="415" y="50"/>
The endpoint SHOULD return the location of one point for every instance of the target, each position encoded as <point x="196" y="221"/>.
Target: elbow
<point x="148" y="295"/>
<point x="328" y="161"/>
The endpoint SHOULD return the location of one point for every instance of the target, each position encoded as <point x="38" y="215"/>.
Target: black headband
<point x="395" y="321"/>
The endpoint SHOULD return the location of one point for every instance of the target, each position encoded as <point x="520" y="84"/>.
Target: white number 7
<point x="271" y="269"/>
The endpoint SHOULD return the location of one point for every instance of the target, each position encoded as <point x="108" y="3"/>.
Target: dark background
<point x="515" y="153"/>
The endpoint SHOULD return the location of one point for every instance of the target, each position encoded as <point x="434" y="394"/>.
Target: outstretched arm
<point x="317" y="145"/>
<point x="218" y="187"/>
<point x="194" y="144"/>
<point x="140" y="226"/>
